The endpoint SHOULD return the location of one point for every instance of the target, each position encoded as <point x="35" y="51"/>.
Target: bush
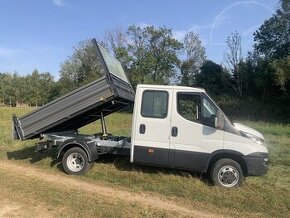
<point x="251" y="109"/>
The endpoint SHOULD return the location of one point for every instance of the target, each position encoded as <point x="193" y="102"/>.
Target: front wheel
<point x="75" y="161"/>
<point x="227" y="173"/>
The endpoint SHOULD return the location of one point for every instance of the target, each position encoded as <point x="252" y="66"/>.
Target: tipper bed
<point x="82" y="106"/>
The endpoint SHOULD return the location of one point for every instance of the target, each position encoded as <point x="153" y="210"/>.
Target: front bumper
<point x="257" y="164"/>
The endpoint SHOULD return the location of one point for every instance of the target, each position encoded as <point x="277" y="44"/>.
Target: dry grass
<point x="260" y="196"/>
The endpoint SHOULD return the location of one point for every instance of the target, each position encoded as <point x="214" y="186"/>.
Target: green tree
<point x="19" y="87"/>
<point x="213" y="78"/>
<point x="260" y="79"/>
<point x="282" y="72"/>
<point x="36" y="88"/>
<point x="116" y="41"/>
<point x="233" y="59"/>
<point x="194" y="49"/>
<point x="2" y="88"/>
<point x="273" y="37"/>
<point x="188" y="72"/>
<point x="7" y="88"/>
<point x="153" y="54"/>
<point x="272" y="40"/>
<point x="195" y="57"/>
<point x="47" y="85"/>
<point x="81" y="68"/>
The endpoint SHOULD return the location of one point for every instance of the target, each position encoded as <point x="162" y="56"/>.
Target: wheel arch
<point x="68" y="145"/>
<point x="230" y="154"/>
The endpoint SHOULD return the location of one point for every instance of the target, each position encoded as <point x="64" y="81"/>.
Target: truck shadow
<point x="30" y="155"/>
<point x="123" y="164"/>
<point x="120" y="162"/>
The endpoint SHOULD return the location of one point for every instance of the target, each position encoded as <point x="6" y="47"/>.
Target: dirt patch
<point x="70" y="182"/>
<point x="10" y="208"/>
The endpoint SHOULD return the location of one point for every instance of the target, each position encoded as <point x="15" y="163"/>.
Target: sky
<point x="41" y="34"/>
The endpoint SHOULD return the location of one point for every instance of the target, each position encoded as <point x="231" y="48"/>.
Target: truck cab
<point x="182" y="127"/>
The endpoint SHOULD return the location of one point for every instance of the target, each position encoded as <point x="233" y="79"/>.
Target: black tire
<point x="227" y="173"/>
<point x="75" y="161"/>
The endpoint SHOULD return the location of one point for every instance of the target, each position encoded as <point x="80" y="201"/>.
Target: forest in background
<point x="251" y="86"/>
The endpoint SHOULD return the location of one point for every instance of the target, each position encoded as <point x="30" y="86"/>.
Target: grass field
<point x="260" y="196"/>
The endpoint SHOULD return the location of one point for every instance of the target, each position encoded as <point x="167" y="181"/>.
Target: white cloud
<point x="58" y="3"/>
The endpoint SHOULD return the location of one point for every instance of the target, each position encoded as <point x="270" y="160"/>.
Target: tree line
<point x="34" y="90"/>
<point x="256" y="84"/>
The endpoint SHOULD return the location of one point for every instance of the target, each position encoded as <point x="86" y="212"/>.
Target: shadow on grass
<point x="120" y="162"/>
<point x="123" y="164"/>
<point x="32" y="156"/>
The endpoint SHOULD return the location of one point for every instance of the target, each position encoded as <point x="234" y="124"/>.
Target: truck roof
<point x="174" y="87"/>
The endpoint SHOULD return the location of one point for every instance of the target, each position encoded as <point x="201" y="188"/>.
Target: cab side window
<point x="188" y="106"/>
<point x="154" y="104"/>
<point x="196" y="108"/>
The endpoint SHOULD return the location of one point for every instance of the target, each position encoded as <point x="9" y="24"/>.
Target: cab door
<point x="152" y="126"/>
<point x="193" y="136"/>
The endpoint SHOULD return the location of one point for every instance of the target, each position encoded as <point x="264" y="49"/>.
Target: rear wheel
<point x="75" y="161"/>
<point x="227" y="173"/>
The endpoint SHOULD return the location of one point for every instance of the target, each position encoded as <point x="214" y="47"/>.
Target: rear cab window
<point x="154" y="104"/>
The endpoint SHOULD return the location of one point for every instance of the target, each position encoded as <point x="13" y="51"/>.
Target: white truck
<point x="172" y="126"/>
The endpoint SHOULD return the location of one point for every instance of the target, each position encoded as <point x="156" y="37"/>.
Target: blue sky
<point x="42" y="33"/>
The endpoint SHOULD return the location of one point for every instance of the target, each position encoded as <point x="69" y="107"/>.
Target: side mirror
<point x="219" y="121"/>
<point x="216" y="122"/>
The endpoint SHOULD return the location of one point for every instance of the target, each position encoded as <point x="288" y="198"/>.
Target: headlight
<point x="255" y="138"/>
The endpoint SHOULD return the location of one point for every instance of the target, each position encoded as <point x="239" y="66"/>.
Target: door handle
<point x="174" y="131"/>
<point x="142" y="129"/>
